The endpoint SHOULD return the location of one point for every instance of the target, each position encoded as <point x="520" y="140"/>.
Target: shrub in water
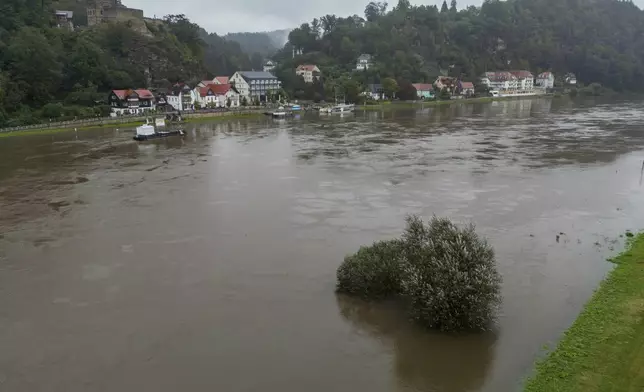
<point x="373" y="272"/>
<point x="449" y="275"/>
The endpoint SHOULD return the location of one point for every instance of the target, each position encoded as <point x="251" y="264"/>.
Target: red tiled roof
<point x="142" y="93"/>
<point x="423" y="86"/>
<point x="145" y="94"/>
<point x="467" y="85"/>
<point x="306" y="67"/>
<point x="222" y="79"/>
<point x="522" y="74"/>
<point x="120" y="93"/>
<point x="445" y="79"/>
<point x="500" y="76"/>
<point x="217" y="89"/>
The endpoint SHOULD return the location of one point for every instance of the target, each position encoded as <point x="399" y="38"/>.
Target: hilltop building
<point x="364" y="62"/>
<point x="309" y="72"/>
<point x="104" y="11"/>
<point x="64" y="20"/>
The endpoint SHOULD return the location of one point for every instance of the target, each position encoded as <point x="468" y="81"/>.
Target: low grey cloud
<point x="222" y="16"/>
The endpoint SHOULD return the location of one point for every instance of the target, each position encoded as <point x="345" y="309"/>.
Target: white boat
<point x="148" y="132"/>
<point x="280" y="112"/>
<point x="343" y="108"/>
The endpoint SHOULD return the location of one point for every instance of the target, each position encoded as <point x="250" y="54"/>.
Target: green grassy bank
<point x="107" y="124"/>
<point x="46" y="131"/>
<point x="604" y="348"/>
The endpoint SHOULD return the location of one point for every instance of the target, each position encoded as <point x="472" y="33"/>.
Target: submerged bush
<point x="447" y="274"/>
<point x="373" y="272"/>
<point x="450" y="276"/>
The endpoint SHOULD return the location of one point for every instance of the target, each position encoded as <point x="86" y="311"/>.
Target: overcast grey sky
<point x="224" y="16"/>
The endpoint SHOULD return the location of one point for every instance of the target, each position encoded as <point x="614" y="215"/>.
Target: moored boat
<point x="280" y="112"/>
<point x="343" y="108"/>
<point x="149" y="132"/>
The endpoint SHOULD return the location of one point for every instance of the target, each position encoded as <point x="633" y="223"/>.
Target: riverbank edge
<point x="419" y="104"/>
<point x="604" y="348"/>
<point x="203" y="117"/>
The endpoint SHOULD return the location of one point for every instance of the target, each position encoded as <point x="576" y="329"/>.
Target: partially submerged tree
<point x="450" y="275"/>
<point x="373" y="272"/>
<point x="446" y="274"/>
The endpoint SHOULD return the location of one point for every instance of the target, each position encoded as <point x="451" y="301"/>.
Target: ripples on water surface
<point x="209" y="262"/>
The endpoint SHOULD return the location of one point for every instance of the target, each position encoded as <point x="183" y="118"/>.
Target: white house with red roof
<point x="309" y="72"/>
<point x="218" y="96"/>
<point x="466" y="89"/>
<point x="424" y="90"/>
<point x="131" y="101"/>
<point x="525" y="80"/>
<point x="500" y="81"/>
<point x="545" y="80"/>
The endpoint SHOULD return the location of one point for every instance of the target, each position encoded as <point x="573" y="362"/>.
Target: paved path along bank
<point x="123" y="121"/>
<point x="604" y="348"/>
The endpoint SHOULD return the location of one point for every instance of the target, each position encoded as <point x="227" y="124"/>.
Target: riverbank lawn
<point x="604" y="348"/>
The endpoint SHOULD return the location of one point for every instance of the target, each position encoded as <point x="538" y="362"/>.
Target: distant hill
<point x="264" y="43"/>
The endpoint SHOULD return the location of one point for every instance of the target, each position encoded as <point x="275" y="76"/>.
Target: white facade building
<point x="255" y="84"/>
<point x="500" y="81"/>
<point x="269" y="66"/>
<point x="308" y="72"/>
<point x="218" y="95"/>
<point x="525" y="80"/>
<point x="364" y="62"/>
<point x="545" y="80"/>
<point x="182" y="97"/>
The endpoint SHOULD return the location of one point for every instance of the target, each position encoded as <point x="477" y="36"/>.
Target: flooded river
<point x="208" y="263"/>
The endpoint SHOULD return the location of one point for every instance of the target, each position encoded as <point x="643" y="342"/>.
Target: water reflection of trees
<point x="424" y="361"/>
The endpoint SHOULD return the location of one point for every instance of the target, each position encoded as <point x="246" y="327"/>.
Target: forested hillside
<point x="51" y="73"/>
<point x="599" y="40"/>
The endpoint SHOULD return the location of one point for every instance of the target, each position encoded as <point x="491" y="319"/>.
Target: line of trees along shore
<point x="601" y="41"/>
<point x="51" y="73"/>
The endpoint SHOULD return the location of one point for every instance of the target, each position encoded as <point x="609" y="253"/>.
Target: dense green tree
<point x="375" y="10"/>
<point x="33" y="62"/>
<point x="444" y="7"/>
<point x="391" y="87"/>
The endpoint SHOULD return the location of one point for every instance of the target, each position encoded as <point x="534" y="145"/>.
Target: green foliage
<point x="446" y="274"/>
<point x="444" y="95"/>
<point x="373" y="272"/>
<point x="43" y="65"/>
<point x="604" y="348"/>
<point x="390" y="86"/>
<point x="450" y="276"/>
<point x="601" y="43"/>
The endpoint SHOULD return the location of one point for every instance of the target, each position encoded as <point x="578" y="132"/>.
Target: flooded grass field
<point x="208" y="263"/>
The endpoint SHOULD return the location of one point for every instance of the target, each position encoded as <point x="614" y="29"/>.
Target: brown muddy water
<point x="208" y="263"/>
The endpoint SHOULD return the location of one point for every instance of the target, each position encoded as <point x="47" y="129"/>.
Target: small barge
<point x="149" y="132"/>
